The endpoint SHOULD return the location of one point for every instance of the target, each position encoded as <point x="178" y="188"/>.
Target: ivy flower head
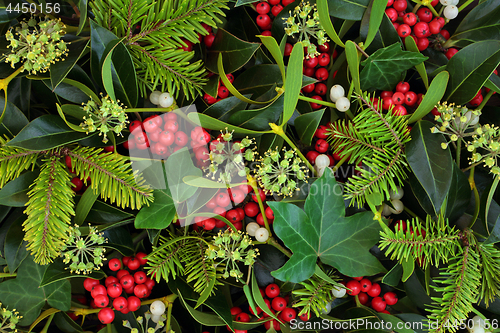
<point x="228" y="158"/>
<point x="84" y="254"/>
<point x="278" y="172"/>
<point x="104" y="116"/>
<point x="305" y="22"/>
<point x="455" y="122"/>
<point x="8" y="320"/>
<point x="230" y="248"/>
<point x="36" y="45"/>
<point x="485" y="147"/>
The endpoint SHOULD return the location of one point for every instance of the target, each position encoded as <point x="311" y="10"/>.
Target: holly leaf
<point x="384" y="68"/>
<point x="24" y="294"/>
<point x="323" y="231"/>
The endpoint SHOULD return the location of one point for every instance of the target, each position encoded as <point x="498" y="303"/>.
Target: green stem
<point x="468" y="2"/>
<point x="109" y="328"/>
<point x="476" y="195"/>
<point x="339" y="163"/>
<point x="417" y="6"/>
<point x="312" y="100"/>
<point x="278" y="130"/>
<point x="3" y="275"/>
<point x="252" y="182"/>
<point x="485" y="100"/>
<point x="432" y="10"/>
<point x="169" y="316"/>
<point x="47" y="324"/>
<point x="459" y="148"/>
<point x="273" y="242"/>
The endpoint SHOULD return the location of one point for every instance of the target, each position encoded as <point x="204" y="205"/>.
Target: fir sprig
<point x="13" y="161"/>
<point x="49" y="211"/>
<point x="200" y="271"/>
<point x="433" y="243"/>
<point x="459" y="285"/>
<point x="111" y="175"/>
<point x="377" y="140"/>
<point x="153" y="32"/>
<point x="315" y="295"/>
<point x="490" y="267"/>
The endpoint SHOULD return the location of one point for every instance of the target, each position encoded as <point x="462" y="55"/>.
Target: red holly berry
<point x="390" y="298"/>
<point x="263" y="21"/>
<point x="208" y="40"/>
<point x="235" y="310"/>
<point x="209" y="99"/>
<point x="98" y="289"/>
<point x="133" y="264"/>
<point x="378" y="304"/>
<point x="404" y="30"/>
<point x="222" y="92"/>
<point x="276" y="10"/>
<point x="309" y="88"/>
<point x="311" y="156"/>
<point x="101" y="301"/>
<point x="398" y="98"/>
<point x="321" y="146"/>
<point x="324" y="59"/>
<point x="421" y="29"/>
<point x="263" y="8"/>
<point x="121" y="273"/>
<point x="114" y="290"/>
<point x="320" y="89"/>
<point x="316" y="106"/>
<point x="422" y="44"/>
<point x="288" y="314"/>
<point x="251" y="209"/>
<point x="243" y="317"/>
<point x="399" y="110"/>
<point x="374" y="290"/>
<point x="133" y="303"/>
<point x="321" y="74"/>
<point x="110" y="280"/>
<point x="181" y="139"/>
<point x="365" y="285"/>
<point x="141" y="291"/>
<point x="262" y="195"/>
<point x="410" y="98"/>
<point x="222" y="199"/>
<point x="288" y="49"/>
<point x="141" y="257"/>
<point x="424" y="14"/>
<point x="445" y="34"/>
<point x="134" y="125"/>
<point x="272" y="290"/>
<point x="363" y="298"/>
<point x="400" y="5"/>
<point x="434" y="27"/>
<point x="89" y="283"/>
<point x="78" y="184"/>
<point x="410" y="19"/>
<point x="269" y="213"/>
<point x="354" y="286"/>
<point x="106" y="316"/>
<point x="392" y="14"/>
<point x="451" y="52"/>
<point x="278" y="304"/>
<point x="120" y="303"/>
<point x="127" y="281"/>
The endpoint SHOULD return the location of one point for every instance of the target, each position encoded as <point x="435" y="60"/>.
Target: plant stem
<point x="432" y="10"/>
<point x="468" y="2"/>
<point x="169" y="316"/>
<point x="476" y="194"/>
<point x="47" y="324"/>
<point x="317" y="101"/>
<point x="459" y="148"/>
<point x="412" y="214"/>
<point x="3" y="275"/>
<point x="278" y="130"/>
<point x="361" y="50"/>
<point x="252" y="182"/>
<point x="273" y="242"/>
<point x="417" y="6"/>
<point x="485" y="100"/>
<point x="108" y="328"/>
<point x="339" y="164"/>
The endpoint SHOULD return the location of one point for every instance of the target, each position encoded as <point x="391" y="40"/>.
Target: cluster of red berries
<point x="222" y="91"/>
<point x="321" y="146"/>
<point x="316" y="67"/>
<point x="275" y="303"/>
<point x="420" y="25"/>
<point x="364" y="289"/>
<point x="267" y="11"/>
<point x="225" y="203"/>
<point x="401" y="99"/>
<point x="164" y="136"/>
<point x="208" y="39"/>
<point x="115" y="288"/>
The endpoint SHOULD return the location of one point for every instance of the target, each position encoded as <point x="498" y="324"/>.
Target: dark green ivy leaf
<point x="322" y="230"/>
<point x="384" y="68"/>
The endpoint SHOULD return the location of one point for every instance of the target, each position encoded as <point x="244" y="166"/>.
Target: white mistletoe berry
<point x="338" y="292"/>
<point x="398" y="194"/>
<point x="157" y="308"/>
<point x="398" y="207"/>
<point x="322" y="161"/>
<point x="155" y="97"/>
<point x="166" y="100"/>
<point x="342" y="104"/>
<point x="336" y="92"/>
<point x="261" y="234"/>
<point x="252" y="228"/>
<point x="450" y="12"/>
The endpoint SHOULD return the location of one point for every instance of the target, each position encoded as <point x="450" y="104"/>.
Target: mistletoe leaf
<point x="432" y="97"/>
<point x="15" y="192"/>
<point x="293" y="81"/>
<point x="429" y="162"/>
<point x="24" y="294"/>
<point x="383" y="69"/>
<point x="377" y="11"/>
<point x="348" y="9"/>
<point x="13" y="121"/>
<point x="323" y="231"/>
<point x="45" y="132"/>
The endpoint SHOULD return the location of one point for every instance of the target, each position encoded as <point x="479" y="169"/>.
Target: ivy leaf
<point x="24" y="294"/>
<point x="322" y="230"/>
<point x="384" y="68"/>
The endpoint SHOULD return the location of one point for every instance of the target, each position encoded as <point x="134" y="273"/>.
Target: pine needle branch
<point x="459" y="284"/>
<point x="165" y="260"/>
<point x="377" y="140"/>
<point x="200" y="268"/>
<point x="490" y="268"/>
<point x="315" y="295"/>
<point x="433" y="243"/>
<point x="13" y="161"/>
<point x="111" y="175"/>
<point x="49" y="211"/>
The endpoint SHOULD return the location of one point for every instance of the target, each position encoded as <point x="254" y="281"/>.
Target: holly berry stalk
<point x="252" y="182"/>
